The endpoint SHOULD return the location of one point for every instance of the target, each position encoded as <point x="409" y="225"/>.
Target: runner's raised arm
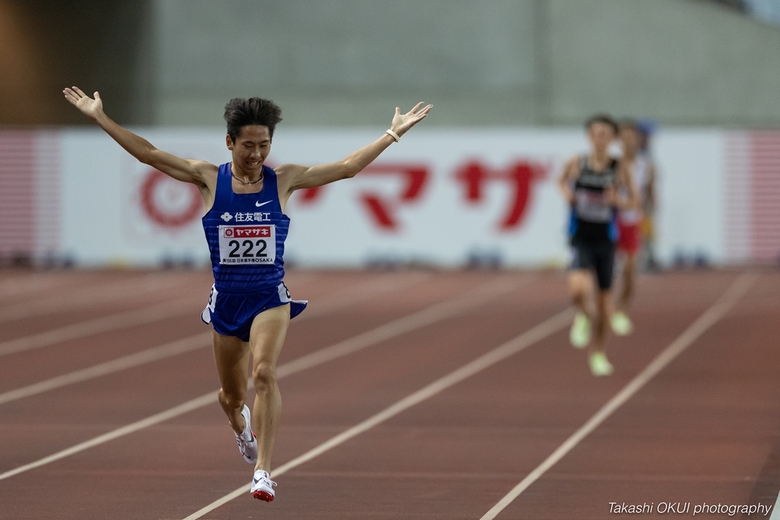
<point x="180" y="169"/>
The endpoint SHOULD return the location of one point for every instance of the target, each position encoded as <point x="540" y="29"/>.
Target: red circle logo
<point x="168" y="202"/>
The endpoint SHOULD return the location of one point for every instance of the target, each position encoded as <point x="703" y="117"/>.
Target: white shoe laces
<point x="244" y="445"/>
<point x="265" y="479"/>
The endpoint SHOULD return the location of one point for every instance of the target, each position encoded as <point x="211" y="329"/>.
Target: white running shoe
<point x="263" y="486"/>
<point x="246" y="440"/>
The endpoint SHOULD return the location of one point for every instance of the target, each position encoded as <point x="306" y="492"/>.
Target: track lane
<point x="438" y="437"/>
<point x="516" y="426"/>
<point x="689" y="336"/>
<point x="197" y="341"/>
<point x="421" y="324"/>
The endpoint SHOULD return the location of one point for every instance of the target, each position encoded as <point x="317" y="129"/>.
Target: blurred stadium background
<point x="511" y="82"/>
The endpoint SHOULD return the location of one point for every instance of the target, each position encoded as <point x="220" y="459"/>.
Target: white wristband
<point x="392" y="134"/>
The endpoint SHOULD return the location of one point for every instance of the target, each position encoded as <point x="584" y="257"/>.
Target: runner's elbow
<point x="350" y="169"/>
<point x="151" y="157"/>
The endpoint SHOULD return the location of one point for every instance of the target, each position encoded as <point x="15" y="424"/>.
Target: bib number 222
<point x="247" y="244"/>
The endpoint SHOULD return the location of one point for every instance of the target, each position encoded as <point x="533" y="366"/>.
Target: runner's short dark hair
<point x="602" y="118"/>
<point x="240" y="112"/>
<point x="630" y="124"/>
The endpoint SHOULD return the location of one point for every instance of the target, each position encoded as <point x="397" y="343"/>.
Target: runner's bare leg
<point x="581" y="289"/>
<point x="267" y="336"/>
<point x="232" y="359"/>
<point x="601" y="320"/>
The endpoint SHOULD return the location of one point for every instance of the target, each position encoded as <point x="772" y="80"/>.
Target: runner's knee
<point x="231" y="400"/>
<point x="579" y="286"/>
<point x="264" y="376"/>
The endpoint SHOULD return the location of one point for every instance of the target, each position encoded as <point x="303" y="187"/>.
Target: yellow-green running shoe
<point x="599" y="364"/>
<point x="621" y="324"/>
<point x="579" y="335"/>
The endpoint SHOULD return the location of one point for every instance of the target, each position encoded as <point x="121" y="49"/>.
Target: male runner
<point x="249" y="307"/>
<point x="630" y="220"/>
<point x="648" y="197"/>
<point x="590" y="185"/>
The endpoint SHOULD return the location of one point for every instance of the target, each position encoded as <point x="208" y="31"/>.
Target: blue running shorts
<point x="232" y="314"/>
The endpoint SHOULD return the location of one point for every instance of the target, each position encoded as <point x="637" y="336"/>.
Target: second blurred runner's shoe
<point x="599" y="364"/>
<point x="246" y="440"/>
<point x="621" y="324"/>
<point x="579" y="335"/>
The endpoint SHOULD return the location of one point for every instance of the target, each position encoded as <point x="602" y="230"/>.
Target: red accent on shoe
<point x="262" y="495"/>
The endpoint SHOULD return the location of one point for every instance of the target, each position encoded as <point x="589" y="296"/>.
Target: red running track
<point x="86" y="370"/>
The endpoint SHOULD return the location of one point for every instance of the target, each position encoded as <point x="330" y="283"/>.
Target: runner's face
<point x="600" y="135"/>
<point x="250" y="148"/>
<point x="630" y="140"/>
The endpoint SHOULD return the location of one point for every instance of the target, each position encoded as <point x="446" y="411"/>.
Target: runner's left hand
<point x="403" y="122"/>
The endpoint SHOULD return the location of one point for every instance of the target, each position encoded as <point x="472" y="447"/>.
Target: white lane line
<point x="498" y="354"/>
<point x="108" y="323"/>
<point x="432" y="314"/>
<point x="120" y="320"/>
<point x="407" y="323"/>
<point x="33" y="283"/>
<point x="149" y="355"/>
<point x="775" y="514"/>
<point x="351" y="296"/>
<point x="181" y="409"/>
<point x="366" y="290"/>
<point x="89" y="295"/>
<point x="711" y="316"/>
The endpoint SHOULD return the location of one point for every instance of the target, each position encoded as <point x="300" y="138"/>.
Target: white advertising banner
<point x="440" y="196"/>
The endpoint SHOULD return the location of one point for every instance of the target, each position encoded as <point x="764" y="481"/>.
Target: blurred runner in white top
<point x="631" y="222"/>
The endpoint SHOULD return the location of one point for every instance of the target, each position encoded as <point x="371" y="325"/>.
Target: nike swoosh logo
<point x="255" y="480"/>
<point x="259" y="204"/>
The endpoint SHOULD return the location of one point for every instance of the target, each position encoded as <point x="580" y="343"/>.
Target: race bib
<point x="247" y="244"/>
<point x="593" y="206"/>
